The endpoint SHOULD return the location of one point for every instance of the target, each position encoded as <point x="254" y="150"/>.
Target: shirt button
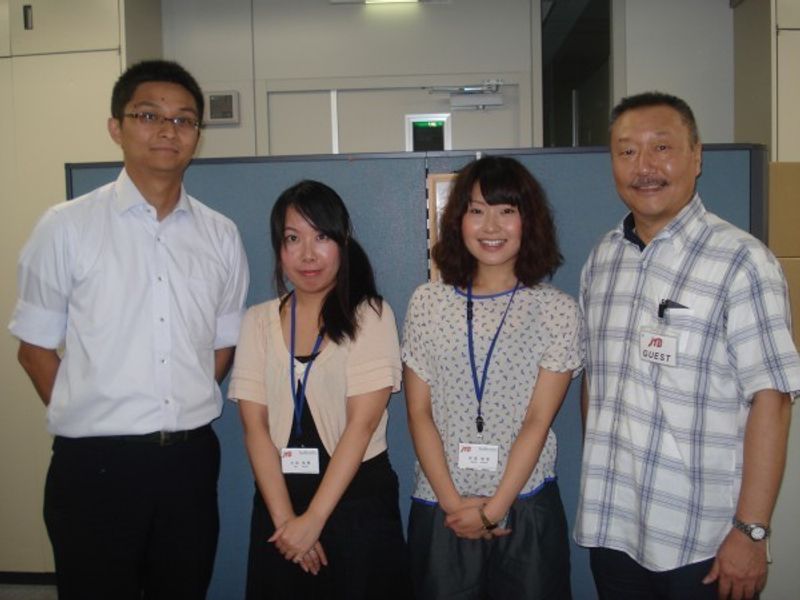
<point x="166" y="400"/>
<point x="161" y="319"/>
<point x="163" y="361"/>
<point x="160" y="278"/>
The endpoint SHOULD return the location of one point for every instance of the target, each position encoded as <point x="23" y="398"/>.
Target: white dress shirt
<point x="139" y="307"/>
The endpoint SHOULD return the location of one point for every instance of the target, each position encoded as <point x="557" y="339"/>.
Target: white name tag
<point x="480" y="457"/>
<point x="300" y="460"/>
<point x="658" y="349"/>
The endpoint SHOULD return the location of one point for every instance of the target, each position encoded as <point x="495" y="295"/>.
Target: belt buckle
<point x="167" y="438"/>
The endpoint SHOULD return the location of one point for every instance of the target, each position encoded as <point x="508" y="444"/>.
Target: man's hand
<point x="740" y="568"/>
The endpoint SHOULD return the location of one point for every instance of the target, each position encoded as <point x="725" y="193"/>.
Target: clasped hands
<point x="465" y="519"/>
<point x="297" y="539"/>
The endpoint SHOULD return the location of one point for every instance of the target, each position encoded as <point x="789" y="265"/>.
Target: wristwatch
<point x="755" y="531"/>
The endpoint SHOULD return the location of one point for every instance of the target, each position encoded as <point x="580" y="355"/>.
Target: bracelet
<point x="487" y="524"/>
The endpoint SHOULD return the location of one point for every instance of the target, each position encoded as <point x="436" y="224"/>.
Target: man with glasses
<point x="129" y="305"/>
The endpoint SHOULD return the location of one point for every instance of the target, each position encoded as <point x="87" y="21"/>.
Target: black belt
<point x="159" y="438"/>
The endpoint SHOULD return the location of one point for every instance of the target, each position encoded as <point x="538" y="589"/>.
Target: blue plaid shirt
<point x="662" y="457"/>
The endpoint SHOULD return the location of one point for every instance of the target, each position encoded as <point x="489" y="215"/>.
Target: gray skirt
<point x="531" y="562"/>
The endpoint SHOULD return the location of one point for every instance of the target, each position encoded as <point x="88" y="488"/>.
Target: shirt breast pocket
<point x="198" y="307"/>
<point x="696" y="329"/>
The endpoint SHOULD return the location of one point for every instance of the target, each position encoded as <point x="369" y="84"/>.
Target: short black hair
<point x="153" y="70"/>
<point x="647" y="99"/>
<point x="502" y="180"/>
<point x="324" y="209"/>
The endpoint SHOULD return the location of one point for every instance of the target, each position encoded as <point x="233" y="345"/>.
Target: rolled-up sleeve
<point x="229" y="316"/>
<point x="44" y="282"/>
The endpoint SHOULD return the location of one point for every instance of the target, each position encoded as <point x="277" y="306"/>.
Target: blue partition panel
<point x="386" y="198"/>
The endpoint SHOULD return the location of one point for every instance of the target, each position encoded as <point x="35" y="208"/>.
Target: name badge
<point x="479" y="457"/>
<point x="300" y="460"/>
<point x="658" y="349"/>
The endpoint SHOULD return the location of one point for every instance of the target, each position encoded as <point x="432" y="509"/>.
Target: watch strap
<point x="748" y="528"/>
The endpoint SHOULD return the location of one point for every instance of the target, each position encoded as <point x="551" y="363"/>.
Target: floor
<point x="27" y="592"/>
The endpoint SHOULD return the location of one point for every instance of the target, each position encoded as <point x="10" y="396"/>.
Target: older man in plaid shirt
<point x="690" y="368"/>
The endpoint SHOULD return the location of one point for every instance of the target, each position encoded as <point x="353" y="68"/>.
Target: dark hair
<point x="153" y="70"/>
<point x="355" y="281"/>
<point x="502" y="180"/>
<point x="648" y="99"/>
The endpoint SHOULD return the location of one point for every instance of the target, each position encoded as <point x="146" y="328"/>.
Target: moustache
<point x="649" y="182"/>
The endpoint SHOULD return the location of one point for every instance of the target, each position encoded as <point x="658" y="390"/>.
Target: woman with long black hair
<point x="313" y="373"/>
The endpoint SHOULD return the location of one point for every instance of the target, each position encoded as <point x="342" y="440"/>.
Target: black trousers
<point x="131" y="519"/>
<point x="531" y="562"/>
<point x="618" y="577"/>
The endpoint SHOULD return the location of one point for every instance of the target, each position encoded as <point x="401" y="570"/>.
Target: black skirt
<point x="363" y="537"/>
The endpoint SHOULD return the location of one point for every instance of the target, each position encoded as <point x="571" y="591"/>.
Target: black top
<point x="303" y="486"/>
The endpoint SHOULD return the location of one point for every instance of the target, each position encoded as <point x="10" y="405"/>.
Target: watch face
<point x="758" y="533"/>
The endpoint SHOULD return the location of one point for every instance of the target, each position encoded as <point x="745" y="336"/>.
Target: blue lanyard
<point x="299" y="399"/>
<point x="481" y="386"/>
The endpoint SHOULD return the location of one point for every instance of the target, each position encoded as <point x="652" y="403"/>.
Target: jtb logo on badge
<point x="300" y="460"/>
<point x="481" y="457"/>
<point x="658" y="349"/>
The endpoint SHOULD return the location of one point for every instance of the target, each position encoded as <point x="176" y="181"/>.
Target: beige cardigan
<point x="261" y="373"/>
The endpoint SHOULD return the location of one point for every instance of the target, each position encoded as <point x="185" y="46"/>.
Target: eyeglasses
<point x="150" y="119"/>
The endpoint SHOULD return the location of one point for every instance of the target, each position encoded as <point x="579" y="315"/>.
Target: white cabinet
<point x="55" y="92"/>
<point x="46" y="26"/>
<point x="24" y="545"/>
<point x="5" y="37"/>
<point x="61" y="105"/>
<point x="787" y="13"/>
<point x="133" y="27"/>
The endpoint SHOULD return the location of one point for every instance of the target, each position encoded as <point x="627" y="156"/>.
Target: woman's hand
<point x="466" y="521"/>
<point x="314" y="559"/>
<point x="297" y="537"/>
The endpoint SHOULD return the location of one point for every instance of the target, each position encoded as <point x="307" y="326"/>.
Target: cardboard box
<point x="791" y="268"/>
<point x="784" y="209"/>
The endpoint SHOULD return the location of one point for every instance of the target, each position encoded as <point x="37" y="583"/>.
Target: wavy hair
<point x="501" y="180"/>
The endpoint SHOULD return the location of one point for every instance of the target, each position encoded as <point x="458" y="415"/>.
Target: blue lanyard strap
<point x="299" y="399"/>
<point x="480" y="386"/>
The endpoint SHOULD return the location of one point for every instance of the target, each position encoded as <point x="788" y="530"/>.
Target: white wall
<point x="271" y="49"/>
<point x="753" y="40"/>
<point x="683" y="47"/>
<point x="267" y="47"/>
<point x="214" y="41"/>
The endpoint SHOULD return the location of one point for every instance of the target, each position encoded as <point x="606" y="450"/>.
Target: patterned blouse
<point x="541" y="330"/>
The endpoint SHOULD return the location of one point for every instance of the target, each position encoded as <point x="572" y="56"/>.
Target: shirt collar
<point x="128" y="196"/>
<point x="679" y="230"/>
